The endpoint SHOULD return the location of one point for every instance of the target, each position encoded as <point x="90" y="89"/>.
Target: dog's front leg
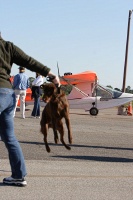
<point x="44" y="130"/>
<point x="56" y="139"/>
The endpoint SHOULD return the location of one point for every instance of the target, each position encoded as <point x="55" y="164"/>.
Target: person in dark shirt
<point x="36" y="93"/>
<point x="9" y="54"/>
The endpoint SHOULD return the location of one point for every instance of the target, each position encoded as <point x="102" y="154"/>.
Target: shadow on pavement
<point x="97" y="158"/>
<point x="83" y="146"/>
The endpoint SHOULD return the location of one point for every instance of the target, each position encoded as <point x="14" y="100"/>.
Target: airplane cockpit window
<point x="102" y="92"/>
<point x="115" y="93"/>
<point x="106" y="92"/>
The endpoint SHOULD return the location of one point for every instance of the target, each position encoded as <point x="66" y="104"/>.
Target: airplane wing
<point x="74" y="79"/>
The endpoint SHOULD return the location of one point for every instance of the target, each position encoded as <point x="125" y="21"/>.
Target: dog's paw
<point x="48" y="149"/>
<point x="68" y="147"/>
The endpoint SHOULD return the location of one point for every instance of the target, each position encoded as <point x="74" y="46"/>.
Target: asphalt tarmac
<point x="99" y="165"/>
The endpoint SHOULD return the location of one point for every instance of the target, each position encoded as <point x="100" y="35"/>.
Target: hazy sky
<point x="80" y="34"/>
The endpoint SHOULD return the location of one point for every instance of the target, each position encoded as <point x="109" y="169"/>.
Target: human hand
<point x="53" y="78"/>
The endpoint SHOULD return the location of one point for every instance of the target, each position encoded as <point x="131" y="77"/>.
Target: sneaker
<point x="38" y="117"/>
<point x="13" y="181"/>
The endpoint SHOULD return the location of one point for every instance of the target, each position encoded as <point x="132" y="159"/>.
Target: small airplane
<point x="87" y="94"/>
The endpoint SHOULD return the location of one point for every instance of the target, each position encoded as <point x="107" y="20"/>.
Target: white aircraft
<point x="87" y="94"/>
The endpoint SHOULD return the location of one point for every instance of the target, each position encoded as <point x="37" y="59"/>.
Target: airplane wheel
<point x="93" y="111"/>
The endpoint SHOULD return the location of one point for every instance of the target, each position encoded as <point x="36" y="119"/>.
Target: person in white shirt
<point x="36" y="93"/>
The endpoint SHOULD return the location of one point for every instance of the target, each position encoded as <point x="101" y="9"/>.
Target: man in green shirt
<point x="9" y="54"/>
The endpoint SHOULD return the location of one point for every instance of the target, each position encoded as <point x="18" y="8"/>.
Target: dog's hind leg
<point x="67" y="120"/>
<point x="61" y="131"/>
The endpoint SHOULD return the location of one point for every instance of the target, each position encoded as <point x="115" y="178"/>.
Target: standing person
<point x="20" y="85"/>
<point x="9" y="54"/>
<point x="36" y="93"/>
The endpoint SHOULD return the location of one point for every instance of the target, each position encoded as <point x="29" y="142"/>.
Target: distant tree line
<point x="127" y="89"/>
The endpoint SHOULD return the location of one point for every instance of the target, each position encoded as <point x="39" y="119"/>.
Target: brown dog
<point x="56" y="109"/>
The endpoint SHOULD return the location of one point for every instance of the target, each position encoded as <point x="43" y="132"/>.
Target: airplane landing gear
<point x="93" y="111"/>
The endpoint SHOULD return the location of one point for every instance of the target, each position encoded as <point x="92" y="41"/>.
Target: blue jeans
<point x="16" y="158"/>
<point x="36" y="108"/>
